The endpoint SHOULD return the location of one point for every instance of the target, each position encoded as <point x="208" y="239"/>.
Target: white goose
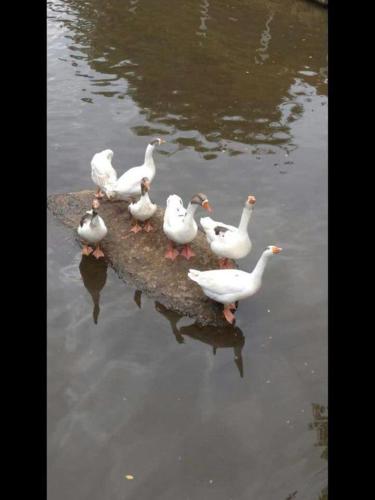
<point x="179" y="225"/>
<point x="143" y="209"/>
<point x="102" y="172"/>
<point x="129" y="184"/>
<point x="230" y="242"/>
<point x="227" y="286"/>
<point x="92" y="230"/>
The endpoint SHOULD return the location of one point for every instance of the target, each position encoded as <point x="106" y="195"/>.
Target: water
<point x="239" y="91"/>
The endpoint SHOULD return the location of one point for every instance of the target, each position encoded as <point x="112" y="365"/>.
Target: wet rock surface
<point x="139" y="258"/>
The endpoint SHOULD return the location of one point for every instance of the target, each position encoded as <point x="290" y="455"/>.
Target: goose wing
<point x="220" y="281"/>
<point x="212" y="227"/>
<point x="102" y="171"/>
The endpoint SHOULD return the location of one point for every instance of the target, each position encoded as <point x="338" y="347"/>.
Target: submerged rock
<point x="139" y="258"/>
<point x="321" y="2"/>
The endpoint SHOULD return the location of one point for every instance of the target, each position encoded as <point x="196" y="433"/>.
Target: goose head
<point x="201" y="200"/>
<point x="108" y="153"/>
<point x="250" y="201"/>
<point x="157" y="142"/>
<point x="145" y="185"/>
<point x="94" y="207"/>
<point x="271" y="250"/>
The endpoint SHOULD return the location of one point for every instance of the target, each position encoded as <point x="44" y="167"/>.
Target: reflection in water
<point x="204" y="17"/>
<point x="224" y="337"/>
<point x="210" y="96"/>
<point x="133" y="7"/>
<point x="94" y="276"/>
<point x="265" y="38"/>
<point x="320" y="414"/>
<point x="137" y="298"/>
<point x="320" y="424"/>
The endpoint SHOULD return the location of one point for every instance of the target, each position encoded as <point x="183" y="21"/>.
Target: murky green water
<point x="239" y="91"/>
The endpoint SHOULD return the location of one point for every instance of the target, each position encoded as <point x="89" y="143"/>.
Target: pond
<point x="238" y="89"/>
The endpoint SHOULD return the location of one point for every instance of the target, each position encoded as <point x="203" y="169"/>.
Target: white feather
<point x="129" y="184"/>
<point x="93" y="229"/>
<point x="102" y="171"/>
<point x="229" y="285"/>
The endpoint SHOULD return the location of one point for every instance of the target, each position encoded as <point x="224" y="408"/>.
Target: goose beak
<point x="161" y="141"/>
<point x="206" y="206"/>
<point x="95" y="204"/>
<point x="276" y="249"/>
<point x="147" y="185"/>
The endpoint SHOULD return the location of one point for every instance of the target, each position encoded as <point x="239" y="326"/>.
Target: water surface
<point x="239" y="91"/>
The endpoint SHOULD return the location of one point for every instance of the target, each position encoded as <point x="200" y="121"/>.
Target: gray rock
<point x="139" y="258"/>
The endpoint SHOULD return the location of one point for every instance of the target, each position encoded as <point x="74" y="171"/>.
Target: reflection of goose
<point x="94" y="277"/>
<point x="218" y="338"/>
<point x="137" y="298"/>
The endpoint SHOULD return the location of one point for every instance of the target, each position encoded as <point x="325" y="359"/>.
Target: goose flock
<point x="226" y="285"/>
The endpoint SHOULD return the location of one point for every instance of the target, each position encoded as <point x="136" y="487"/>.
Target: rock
<point x="139" y="258"/>
<point x="321" y="2"/>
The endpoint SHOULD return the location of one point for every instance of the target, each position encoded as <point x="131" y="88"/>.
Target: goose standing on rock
<point x="129" y="184"/>
<point x="102" y="172"/>
<point x="92" y="230"/>
<point x="227" y="286"/>
<point x="143" y="209"/>
<point x="230" y="242"/>
<point x="179" y="225"/>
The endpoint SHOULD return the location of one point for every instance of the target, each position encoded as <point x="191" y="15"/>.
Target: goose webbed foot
<point x="171" y="252"/>
<point x="99" y="194"/>
<point x="228" y="315"/>
<point x="86" y="250"/>
<point x="225" y="264"/>
<point x="97" y="253"/>
<point x="136" y="228"/>
<point x="148" y="227"/>
<point x="187" y="252"/>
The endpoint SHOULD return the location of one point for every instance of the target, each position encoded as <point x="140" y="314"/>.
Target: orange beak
<point x="95" y="204"/>
<point x="147" y="184"/>
<point x="207" y="206"/>
<point x="276" y="249"/>
<point x="161" y="141"/>
<point x="251" y="200"/>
